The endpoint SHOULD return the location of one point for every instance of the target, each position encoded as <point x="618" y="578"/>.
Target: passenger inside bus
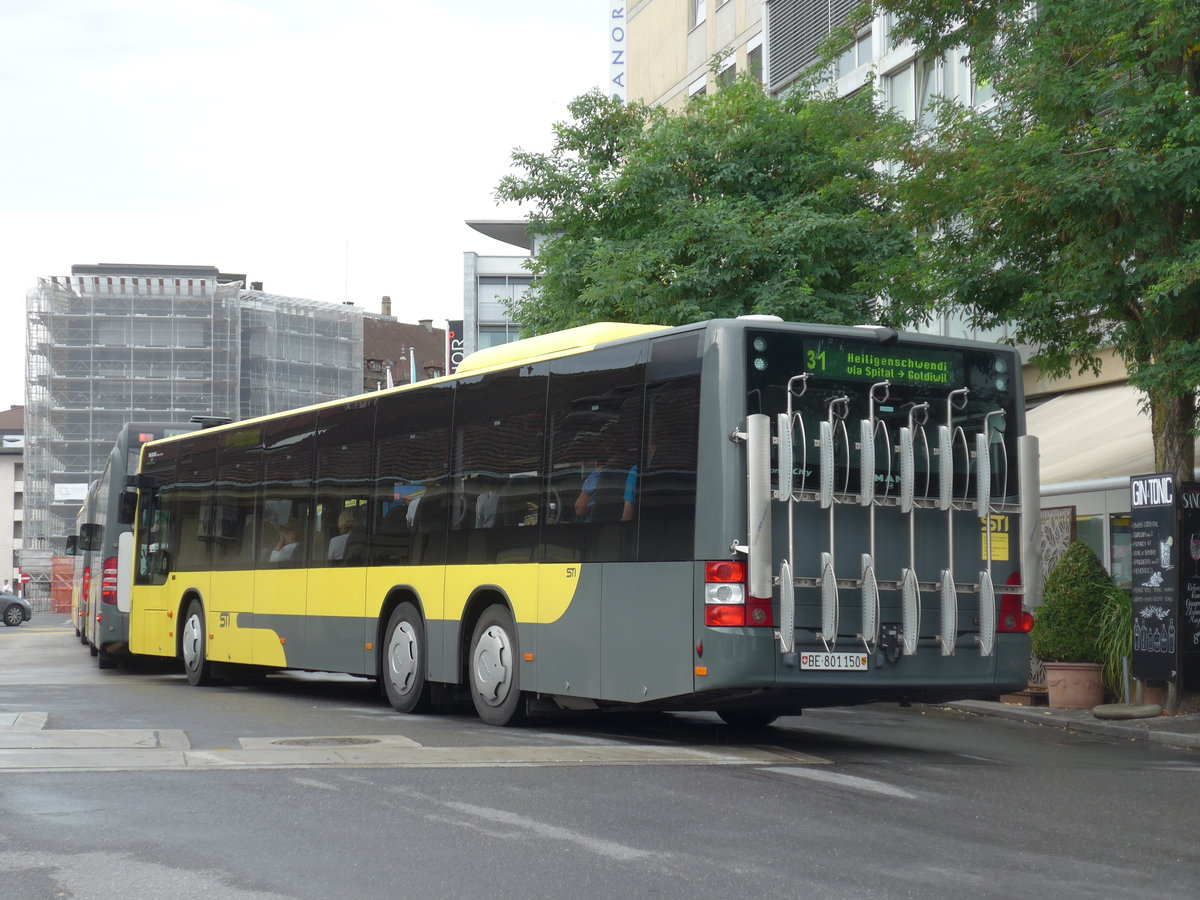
<point x="350" y="538"/>
<point x="285" y="549"/>
<point x="609" y="494"/>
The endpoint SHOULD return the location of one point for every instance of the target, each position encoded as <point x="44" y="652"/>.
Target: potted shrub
<point x="1065" y="631"/>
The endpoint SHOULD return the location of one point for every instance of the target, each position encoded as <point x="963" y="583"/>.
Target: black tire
<point x="13" y="615"/>
<point x="402" y="666"/>
<point x="106" y="660"/>
<point x="748" y="719"/>
<point x="92" y="649"/>
<point x="494" y="669"/>
<point x="193" y="646"/>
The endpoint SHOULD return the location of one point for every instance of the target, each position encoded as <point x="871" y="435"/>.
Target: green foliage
<point x="1114" y="637"/>
<point x="737" y="204"/>
<point x="1069" y="210"/>
<point x="1065" y="627"/>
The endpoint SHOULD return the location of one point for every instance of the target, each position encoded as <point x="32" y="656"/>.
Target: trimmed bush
<point x="1065" y="629"/>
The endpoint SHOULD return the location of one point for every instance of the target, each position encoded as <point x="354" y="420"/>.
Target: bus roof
<point x="547" y="346"/>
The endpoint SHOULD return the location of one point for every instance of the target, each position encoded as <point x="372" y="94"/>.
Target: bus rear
<point x="873" y="487"/>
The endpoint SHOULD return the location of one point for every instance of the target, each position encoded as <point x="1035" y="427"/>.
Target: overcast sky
<point x="331" y="150"/>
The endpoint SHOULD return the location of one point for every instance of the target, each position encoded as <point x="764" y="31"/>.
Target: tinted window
<point x="595" y="416"/>
<point x="156" y="512"/>
<point x="239" y="458"/>
<point x="343" y="482"/>
<point x="668" y="483"/>
<point x="412" y="449"/>
<point x="496" y="464"/>
<point x="192" y="503"/>
<point x="286" y="511"/>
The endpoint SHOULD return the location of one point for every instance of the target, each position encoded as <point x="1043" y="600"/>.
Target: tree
<point x="738" y="204"/>
<point x="1070" y="209"/>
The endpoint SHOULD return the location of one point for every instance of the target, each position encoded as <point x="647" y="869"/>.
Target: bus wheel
<point x="748" y="719"/>
<point x="106" y="660"/>
<point x="494" y="668"/>
<point x="195" y="650"/>
<point x="404" y="661"/>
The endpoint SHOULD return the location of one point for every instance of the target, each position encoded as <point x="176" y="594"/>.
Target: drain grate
<point x="325" y="742"/>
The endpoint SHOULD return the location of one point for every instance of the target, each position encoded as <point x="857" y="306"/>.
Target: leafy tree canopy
<point x="1069" y="210"/>
<point x="738" y="204"/>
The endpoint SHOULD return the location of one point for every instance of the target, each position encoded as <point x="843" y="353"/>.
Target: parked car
<point x="15" y="609"/>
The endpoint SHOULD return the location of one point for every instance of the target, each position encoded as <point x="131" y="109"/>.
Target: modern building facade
<point x="491" y="282"/>
<point x="114" y="343"/>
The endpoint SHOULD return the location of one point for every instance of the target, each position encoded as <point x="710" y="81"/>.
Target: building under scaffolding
<point x="110" y="344"/>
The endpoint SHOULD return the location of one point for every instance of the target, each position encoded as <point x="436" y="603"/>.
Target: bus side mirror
<point x="127" y="509"/>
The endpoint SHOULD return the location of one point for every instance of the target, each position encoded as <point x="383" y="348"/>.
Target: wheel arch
<point x="401" y="593"/>
<point x="481" y="598"/>
<point x="185" y="600"/>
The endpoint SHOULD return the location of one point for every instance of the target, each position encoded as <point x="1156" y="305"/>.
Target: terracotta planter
<point x="1074" y="685"/>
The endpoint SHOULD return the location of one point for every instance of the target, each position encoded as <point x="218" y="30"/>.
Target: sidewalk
<point x="1172" y="731"/>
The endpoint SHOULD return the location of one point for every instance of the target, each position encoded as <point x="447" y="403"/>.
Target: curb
<point x="1083" y="720"/>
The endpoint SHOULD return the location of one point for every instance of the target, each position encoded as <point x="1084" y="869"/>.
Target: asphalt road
<point x="130" y="783"/>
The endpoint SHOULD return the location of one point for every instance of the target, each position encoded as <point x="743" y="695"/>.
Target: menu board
<point x="1155" y="558"/>
<point x="1189" y="581"/>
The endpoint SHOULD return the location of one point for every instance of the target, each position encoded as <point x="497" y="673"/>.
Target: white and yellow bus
<point x="746" y="516"/>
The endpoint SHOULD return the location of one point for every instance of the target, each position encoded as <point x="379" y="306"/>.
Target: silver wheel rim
<point x="403" y="655"/>
<point x="492" y="665"/>
<point x="13" y="615"/>
<point x="193" y="643"/>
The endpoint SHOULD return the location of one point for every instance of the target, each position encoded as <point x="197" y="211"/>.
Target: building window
<point x="899" y="86"/>
<point x="754" y="63"/>
<point x="860" y="53"/>
<point x="699" y="12"/>
<point x="726" y="75"/>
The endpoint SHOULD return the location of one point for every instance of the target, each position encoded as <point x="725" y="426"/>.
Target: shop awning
<point x="1092" y="435"/>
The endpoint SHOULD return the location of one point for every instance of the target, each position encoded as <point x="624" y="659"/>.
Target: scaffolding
<point x="163" y="344"/>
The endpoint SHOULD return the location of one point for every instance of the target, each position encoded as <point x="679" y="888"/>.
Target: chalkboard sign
<point x="1189" y="581"/>
<point x="1155" y="558"/>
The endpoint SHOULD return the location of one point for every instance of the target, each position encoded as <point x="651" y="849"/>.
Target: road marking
<point x="599" y="846"/>
<point x="837" y="779"/>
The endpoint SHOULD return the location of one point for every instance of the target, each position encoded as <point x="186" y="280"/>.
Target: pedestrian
<point x="6" y="588"/>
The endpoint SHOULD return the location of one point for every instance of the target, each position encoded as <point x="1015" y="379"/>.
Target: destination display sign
<point x="854" y="361"/>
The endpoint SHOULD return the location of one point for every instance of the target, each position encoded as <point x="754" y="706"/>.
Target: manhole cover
<point x="325" y="742"/>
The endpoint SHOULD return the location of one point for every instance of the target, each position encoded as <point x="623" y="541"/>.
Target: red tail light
<point x="1013" y="619"/>
<point x="87" y="582"/>
<point x="727" y="603"/>
<point x="108" y="581"/>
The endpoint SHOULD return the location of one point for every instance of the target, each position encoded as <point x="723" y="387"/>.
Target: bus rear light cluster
<point x="1013" y="619"/>
<point x="727" y="603"/>
<point x="108" y="581"/>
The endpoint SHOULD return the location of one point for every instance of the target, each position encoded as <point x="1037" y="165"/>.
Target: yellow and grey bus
<point x="744" y="516"/>
<point x="102" y="627"/>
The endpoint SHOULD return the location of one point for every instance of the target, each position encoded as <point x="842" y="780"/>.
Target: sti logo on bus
<point x="1152" y="490"/>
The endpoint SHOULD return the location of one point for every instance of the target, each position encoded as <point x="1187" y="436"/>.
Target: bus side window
<point x="344" y="440"/>
<point x="595" y="416"/>
<point x="286" y="500"/>
<point x="667" y="478"/>
<point x="411" y="461"/>
<point x="496" y="466"/>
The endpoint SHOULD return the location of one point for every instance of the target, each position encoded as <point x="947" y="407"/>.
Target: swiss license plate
<point x="834" y="662"/>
